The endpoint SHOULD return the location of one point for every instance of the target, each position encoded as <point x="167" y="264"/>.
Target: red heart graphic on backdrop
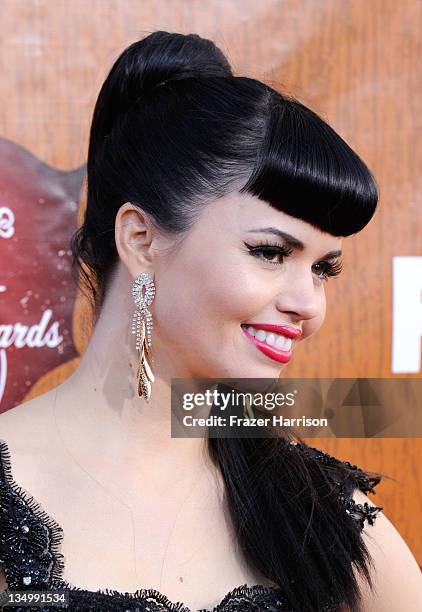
<point x="38" y="214"/>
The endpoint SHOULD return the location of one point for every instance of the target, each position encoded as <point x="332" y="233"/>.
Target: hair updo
<point x="173" y="130"/>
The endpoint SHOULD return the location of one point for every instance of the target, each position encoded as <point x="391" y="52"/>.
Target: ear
<point x="134" y="233"/>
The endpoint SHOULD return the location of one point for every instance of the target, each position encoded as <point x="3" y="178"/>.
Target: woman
<point x="219" y="206"/>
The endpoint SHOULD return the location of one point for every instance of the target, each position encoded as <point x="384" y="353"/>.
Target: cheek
<point x="232" y="297"/>
<point x="205" y="300"/>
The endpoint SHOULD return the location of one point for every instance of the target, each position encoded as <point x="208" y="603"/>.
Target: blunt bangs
<point x="307" y="170"/>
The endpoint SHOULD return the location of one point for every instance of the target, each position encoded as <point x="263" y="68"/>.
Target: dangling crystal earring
<point x="248" y="412"/>
<point x="142" y="327"/>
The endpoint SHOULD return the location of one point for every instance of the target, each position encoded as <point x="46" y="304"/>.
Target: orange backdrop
<point x="355" y="63"/>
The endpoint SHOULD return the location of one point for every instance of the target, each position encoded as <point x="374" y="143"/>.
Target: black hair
<point x="174" y="129"/>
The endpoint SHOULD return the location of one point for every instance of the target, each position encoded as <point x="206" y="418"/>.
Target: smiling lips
<point x="275" y="341"/>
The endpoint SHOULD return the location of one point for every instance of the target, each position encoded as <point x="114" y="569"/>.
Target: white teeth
<point x="283" y="343"/>
<point x="260" y="335"/>
<point x="276" y="340"/>
<point x="271" y="339"/>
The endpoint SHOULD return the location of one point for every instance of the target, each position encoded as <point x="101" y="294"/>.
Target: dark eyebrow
<point x="291" y="240"/>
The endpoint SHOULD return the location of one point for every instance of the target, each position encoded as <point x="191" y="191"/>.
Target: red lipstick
<point x="284" y="330"/>
<point x="268" y="350"/>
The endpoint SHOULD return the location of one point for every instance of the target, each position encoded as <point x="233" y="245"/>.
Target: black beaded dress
<point x="30" y="555"/>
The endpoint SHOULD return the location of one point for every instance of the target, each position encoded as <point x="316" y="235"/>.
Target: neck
<point x="98" y="408"/>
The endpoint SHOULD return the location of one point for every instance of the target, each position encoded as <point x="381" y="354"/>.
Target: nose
<point x="300" y="299"/>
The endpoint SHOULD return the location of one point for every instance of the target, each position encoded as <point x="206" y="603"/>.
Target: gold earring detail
<point x="248" y="412"/>
<point x="142" y="327"/>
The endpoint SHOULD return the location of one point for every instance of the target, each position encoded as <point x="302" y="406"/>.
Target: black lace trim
<point x="356" y="477"/>
<point x="257" y="598"/>
<point x="30" y="539"/>
<point x="243" y="598"/>
<point x="30" y="542"/>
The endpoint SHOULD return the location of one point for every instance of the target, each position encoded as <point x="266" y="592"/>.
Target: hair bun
<point x="164" y="56"/>
<point x="155" y="60"/>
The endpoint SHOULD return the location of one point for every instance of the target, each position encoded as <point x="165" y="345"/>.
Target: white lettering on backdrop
<point x="407" y="315"/>
<point x="18" y="334"/>
<point x="7" y="221"/>
<point x="37" y="335"/>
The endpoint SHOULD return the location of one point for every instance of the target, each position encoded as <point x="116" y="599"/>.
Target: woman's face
<point x="218" y="284"/>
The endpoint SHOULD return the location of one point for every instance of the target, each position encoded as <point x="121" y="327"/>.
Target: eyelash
<point x="332" y="269"/>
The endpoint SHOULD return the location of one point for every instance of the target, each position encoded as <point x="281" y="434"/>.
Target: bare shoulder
<point x="397" y="578"/>
<point x="28" y="424"/>
<point x="25" y="430"/>
<point x="34" y="452"/>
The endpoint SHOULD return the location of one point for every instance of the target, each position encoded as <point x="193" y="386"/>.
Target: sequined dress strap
<point x="355" y="478"/>
<point x="29" y="538"/>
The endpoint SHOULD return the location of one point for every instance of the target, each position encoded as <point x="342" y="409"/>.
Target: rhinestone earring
<point x="142" y="327"/>
<point x="248" y="412"/>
